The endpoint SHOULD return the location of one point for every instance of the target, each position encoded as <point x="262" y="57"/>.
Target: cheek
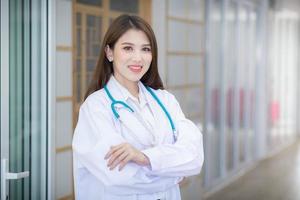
<point x="148" y="59"/>
<point x="120" y="57"/>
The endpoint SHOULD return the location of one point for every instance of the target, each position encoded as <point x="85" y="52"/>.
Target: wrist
<point x="144" y="160"/>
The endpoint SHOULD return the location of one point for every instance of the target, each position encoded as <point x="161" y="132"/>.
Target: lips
<point x="135" y="68"/>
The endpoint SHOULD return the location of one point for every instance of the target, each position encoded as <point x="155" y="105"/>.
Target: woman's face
<point x="131" y="56"/>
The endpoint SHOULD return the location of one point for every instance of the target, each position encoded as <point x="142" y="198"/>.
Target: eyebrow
<point x="129" y="43"/>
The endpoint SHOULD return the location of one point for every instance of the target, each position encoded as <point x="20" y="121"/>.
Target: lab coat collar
<point x="120" y="93"/>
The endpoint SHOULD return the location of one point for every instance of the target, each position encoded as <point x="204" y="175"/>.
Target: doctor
<point x="132" y="141"/>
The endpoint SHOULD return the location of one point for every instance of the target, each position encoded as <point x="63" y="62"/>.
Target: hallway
<point x="276" y="178"/>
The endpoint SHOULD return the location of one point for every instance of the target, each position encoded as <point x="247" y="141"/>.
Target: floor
<point x="276" y="178"/>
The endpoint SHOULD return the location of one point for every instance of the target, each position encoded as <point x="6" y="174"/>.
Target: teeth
<point x="135" y="67"/>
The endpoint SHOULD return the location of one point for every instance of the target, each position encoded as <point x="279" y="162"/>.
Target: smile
<point x="135" y="68"/>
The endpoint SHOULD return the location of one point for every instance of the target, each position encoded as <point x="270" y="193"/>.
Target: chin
<point x="135" y="78"/>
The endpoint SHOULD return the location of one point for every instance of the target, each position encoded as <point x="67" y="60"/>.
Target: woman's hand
<point x="124" y="153"/>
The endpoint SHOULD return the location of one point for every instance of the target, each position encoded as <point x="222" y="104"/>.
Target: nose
<point x="137" y="56"/>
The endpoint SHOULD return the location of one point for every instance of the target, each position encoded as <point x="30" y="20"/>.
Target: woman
<point x="132" y="140"/>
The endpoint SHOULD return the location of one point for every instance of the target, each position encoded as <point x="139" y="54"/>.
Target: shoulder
<point x="170" y="103"/>
<point x="165" y="96"/>
<point x="97" y="101"/>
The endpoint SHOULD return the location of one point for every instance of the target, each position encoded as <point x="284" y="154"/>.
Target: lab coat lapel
<point x="115" y="92"/>
<point x="137" y="129"/>
<point x="161" y="120"/>
<point x="133" y="127"/>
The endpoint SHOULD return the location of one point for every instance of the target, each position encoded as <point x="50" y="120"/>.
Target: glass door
<point x="23" y="99"/>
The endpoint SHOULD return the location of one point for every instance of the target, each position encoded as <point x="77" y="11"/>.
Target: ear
<point x="109" y="53"/>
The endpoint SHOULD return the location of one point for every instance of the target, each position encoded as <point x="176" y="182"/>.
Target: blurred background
<point x="232" y="64"/>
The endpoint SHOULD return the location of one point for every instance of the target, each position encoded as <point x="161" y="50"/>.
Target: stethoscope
<point x="115" y="102"/>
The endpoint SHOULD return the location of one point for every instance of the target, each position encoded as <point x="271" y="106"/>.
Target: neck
<point x="133" y="89"/>
<point x="131" y="86"/>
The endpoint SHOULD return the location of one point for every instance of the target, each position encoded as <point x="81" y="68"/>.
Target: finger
<point x="119" y="145"/>
<point x="124" y="162"/>
<point x="115" y="155"/>
<point x="118" y="160"/>
<point x="112" y="150"/>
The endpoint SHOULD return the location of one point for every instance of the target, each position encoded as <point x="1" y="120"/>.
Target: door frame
<point x="51" y="95"/>
<point x="4" y="83"/>
<point x="4" y="71"/>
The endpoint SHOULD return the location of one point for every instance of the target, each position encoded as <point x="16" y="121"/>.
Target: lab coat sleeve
<point x="183" y="158"/>
<point x="93" y="137"/>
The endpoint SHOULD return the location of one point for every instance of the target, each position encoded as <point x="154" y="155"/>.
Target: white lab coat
<point x="98" y="129"/>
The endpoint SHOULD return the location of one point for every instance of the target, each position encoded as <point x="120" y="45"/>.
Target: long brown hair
<point x="104" y="68"/>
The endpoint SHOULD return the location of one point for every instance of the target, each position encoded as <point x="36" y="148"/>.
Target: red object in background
<point x="215" y="106"/>
<point x="274" y="111"/>
<point x="230" y="106"/>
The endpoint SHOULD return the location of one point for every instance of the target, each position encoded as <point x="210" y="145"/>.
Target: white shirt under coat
<point x="98" y="129"/>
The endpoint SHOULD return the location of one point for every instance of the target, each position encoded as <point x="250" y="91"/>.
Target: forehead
<point x="134" y="36"/>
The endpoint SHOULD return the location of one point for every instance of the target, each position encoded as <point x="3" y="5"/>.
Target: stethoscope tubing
<point x="115" y="102"/>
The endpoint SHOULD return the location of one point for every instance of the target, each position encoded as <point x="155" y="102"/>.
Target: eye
<point x="128" y="48"/>
<point x="147" y="49"/>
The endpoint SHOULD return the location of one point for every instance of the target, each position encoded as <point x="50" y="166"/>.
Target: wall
<point x="63" y="118"/>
